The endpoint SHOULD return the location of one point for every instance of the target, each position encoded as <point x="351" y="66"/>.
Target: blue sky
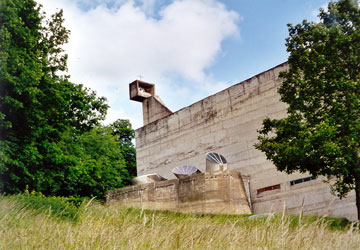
<point x="189" y="48"/>
<point x="263" y="30"/>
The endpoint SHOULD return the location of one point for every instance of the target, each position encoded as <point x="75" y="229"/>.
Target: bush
<point x="60" y="207"/>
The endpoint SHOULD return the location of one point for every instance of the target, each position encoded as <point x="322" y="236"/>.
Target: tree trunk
<point x="357" y="195"/>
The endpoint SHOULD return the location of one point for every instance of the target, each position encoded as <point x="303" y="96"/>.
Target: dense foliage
<point x="125" y="134"/>
<point x="321" y="133"/>
<point x="50" y="133"/>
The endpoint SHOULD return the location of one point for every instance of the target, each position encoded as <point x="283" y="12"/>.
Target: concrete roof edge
<point x="239" y="83"/>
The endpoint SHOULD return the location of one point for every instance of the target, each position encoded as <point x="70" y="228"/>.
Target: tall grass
<point x="106" y="227"/>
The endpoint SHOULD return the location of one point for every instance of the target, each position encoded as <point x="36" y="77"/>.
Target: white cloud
<point x="316" y="12"/>
<point x="114" y="114"/>
<point x="112" y="42"/>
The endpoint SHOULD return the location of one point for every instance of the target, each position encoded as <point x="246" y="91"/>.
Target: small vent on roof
<point x="148" y="178"/>
<point x="183" y="171"/>
<point x="215" y="162"/>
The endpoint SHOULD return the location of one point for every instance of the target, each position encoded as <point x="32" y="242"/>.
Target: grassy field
<point x="35" y="222"/>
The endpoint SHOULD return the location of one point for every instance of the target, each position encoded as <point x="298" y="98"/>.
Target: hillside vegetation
<point x="37" y="222"/>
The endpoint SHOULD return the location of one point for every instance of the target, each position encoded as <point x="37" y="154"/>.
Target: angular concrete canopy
<point x="153" y="107"/>
<point x="140" y="90"/>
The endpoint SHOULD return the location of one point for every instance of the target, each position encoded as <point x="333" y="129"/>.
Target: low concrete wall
<point x="212" y="192"/>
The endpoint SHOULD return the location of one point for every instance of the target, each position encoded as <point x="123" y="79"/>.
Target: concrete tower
<point x="153" y="107"/>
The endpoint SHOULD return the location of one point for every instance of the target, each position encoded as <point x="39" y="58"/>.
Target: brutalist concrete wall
<point x="227" y="123"/>
<point x="213" y="192"/>
<point x="154" y="110"/>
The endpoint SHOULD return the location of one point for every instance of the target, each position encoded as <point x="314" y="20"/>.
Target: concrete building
<point x="227" y="123"/>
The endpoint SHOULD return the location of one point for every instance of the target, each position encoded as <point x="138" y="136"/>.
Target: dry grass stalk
<point x="102" y="227"/>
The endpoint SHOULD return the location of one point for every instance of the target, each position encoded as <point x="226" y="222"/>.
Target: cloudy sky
<point x="189" y="48"/>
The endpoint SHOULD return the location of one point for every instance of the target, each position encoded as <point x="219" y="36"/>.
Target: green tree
<point x="122" y="128"/>
<point x="88" y="164"/>
<point x="38" y="104"/>
<point x="321" y="133"/>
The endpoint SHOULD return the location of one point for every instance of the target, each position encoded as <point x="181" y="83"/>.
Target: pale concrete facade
<point x="227" y="123"/>
<point x="212" y="192"/>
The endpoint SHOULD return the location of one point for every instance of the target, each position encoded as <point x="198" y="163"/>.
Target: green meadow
<point x="33" y="221"/>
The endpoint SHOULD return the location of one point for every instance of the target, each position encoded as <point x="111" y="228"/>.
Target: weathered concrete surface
<point x="154" y="110"/>
<point x="140" y="90"/>
<point x="213" y="192"/>
<point x="227" y="123"/>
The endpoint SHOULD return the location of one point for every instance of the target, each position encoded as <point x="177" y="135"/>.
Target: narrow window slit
<point x="261" y="190"/>
<point x="298" y="181"/>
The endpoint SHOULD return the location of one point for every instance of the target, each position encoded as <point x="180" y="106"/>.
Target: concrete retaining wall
<point x="213" y="192"/>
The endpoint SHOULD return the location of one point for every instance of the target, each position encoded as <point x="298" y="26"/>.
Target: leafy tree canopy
<point x="87" y="165"/>
<point x="321" y="133"/>
<point x="50" y="133"/>
<point x="125" y="134"/>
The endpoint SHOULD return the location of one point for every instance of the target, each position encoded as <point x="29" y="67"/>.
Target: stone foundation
<point x="212" y="192"/>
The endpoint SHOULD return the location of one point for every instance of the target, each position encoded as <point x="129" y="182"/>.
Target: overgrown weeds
<point x="60" y="207"/>
<point x="95" y="226"/>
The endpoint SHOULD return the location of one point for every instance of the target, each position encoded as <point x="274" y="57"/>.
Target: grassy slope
<point x="31" y="222"/>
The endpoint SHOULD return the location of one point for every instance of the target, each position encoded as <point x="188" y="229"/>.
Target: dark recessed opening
<point x="298" y="181"/>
